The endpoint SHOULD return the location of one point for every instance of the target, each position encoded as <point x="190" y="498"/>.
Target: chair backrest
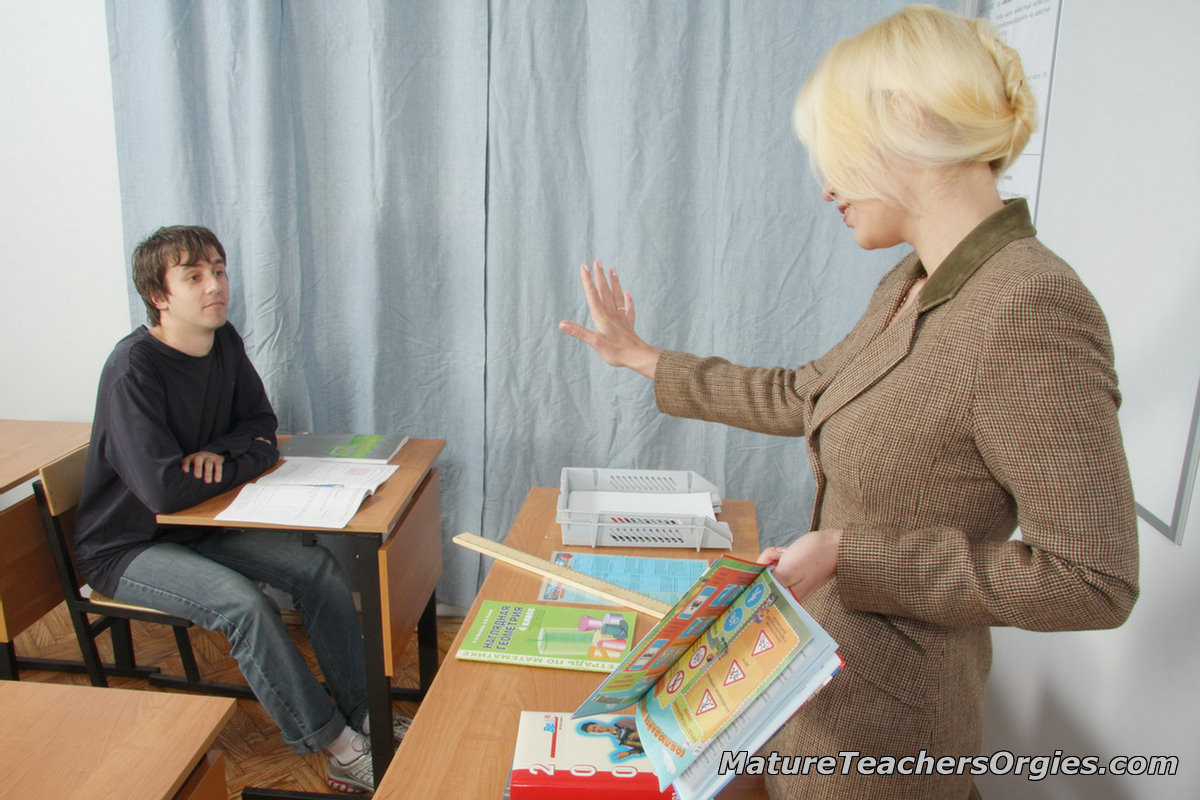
<point x="57" y="490"/>
<point x="62" y="481"/>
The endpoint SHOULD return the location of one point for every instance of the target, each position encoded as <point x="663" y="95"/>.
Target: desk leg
<point x="427" y="645"/>
<point x="427" y="655"/>
<point x="9" y="671"/>
<point x="379" y="696"/>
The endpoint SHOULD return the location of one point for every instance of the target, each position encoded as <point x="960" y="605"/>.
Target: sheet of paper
<point x="633" y="503"/>
<point x="664" y="579"/>
<point x="308" y="472"/>
<point x="298" y="506"/>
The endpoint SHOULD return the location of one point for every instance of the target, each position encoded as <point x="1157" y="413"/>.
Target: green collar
<point x="1006" y="225"/>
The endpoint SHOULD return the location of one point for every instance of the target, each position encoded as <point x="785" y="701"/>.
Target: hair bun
<point x="1021" y="102"/>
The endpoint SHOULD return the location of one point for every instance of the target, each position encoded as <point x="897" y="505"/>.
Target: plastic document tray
<point x="592" y="528"/>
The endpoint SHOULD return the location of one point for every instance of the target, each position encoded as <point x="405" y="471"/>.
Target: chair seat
<point x="101" y="600"/>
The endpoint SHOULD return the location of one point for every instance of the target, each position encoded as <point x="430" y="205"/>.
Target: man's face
<point x="197" y="293"/>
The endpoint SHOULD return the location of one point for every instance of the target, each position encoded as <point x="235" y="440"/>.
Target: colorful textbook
<point x="721" y="672"/>
<point x="593" y="639"/>
<point x="362" y="448"/>
<point x="599" y="757"/>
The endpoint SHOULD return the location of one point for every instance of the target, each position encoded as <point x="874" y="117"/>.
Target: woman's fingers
<point x="612" y="335"/>
<point x="603" y="292"/>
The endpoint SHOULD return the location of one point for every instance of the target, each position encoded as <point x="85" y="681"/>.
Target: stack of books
<point x="721" y="672"/>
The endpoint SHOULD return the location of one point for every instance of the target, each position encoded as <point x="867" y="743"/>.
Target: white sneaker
<point x="400" y="726"/>
<point x="356" y="776"/>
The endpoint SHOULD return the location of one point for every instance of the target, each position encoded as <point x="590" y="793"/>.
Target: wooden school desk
<point x="29" y="586"/>
<point x="461" y="742"/>
<point x="28" y="445"/>
<point x="397" y="539"/>
<point x="75" y="742"/>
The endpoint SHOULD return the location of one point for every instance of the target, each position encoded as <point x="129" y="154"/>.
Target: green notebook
<point x="361" y="447"/>
<point x="537" y="634"/>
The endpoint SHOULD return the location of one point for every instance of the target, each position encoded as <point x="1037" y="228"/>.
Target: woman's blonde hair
<point x="925" y="86"/>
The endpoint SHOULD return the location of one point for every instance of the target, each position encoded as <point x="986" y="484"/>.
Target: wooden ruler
<point x="548" y="569"/>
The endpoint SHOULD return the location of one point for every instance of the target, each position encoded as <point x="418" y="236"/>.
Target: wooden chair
<point x="57" y="491"/>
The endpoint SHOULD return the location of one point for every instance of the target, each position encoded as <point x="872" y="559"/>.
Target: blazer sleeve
<point x="771" y="400"/>
<point x="1044" y="417"/>
<point x="713" y="389"/>
<point x="774" y="400"/>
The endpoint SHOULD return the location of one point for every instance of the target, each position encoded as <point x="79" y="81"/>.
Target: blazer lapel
<point x="871" y="363"/>
<point x="887" y="344"/>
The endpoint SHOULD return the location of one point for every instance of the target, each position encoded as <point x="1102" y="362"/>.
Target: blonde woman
<point x="976" y="394"/>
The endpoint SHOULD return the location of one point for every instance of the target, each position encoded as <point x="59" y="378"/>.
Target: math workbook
<point x="543" y="635"/>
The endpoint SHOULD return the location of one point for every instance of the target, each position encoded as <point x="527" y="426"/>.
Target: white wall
<point x="60" y="219"/>
<point x="1120" y="201"/>
<point x="1120" y="197"/>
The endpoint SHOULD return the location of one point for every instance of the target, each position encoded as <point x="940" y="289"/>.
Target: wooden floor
<point x="255" y="753"/>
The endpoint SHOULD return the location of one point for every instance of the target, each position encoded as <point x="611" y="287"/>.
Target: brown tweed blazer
<point x="990" y="404"/>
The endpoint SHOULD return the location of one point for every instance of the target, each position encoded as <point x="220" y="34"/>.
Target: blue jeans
<point x="213" y="581"/>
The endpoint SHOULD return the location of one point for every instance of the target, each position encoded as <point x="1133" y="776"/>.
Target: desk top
<point x="28" y="445"/>
<point x="378" y="513"/>
<point x="65" y="741"/>
<point x="461" y="742"/>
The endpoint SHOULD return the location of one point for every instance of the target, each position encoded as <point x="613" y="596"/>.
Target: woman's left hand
<point x="612" y="313"/>
<point x="807" y="563"/>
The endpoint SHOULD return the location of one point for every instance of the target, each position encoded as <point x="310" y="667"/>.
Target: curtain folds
<point x="406" y="190"/>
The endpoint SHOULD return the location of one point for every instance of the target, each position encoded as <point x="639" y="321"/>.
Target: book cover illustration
<point x="707" y="599"/>
<point x="362" y="447"/>
<point x="722" y="671"/>
<point x="600" y="756"/>
<point x="593" y="639"/>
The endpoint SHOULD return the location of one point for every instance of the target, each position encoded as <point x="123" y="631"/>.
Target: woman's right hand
<point x="807" y="563"/>
<point x="612" y="313"/>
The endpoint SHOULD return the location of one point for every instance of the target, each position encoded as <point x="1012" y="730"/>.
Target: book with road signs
<point x="722" y="671"/>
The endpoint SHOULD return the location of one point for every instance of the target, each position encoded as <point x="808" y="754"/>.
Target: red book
<point x="598" y="756"/>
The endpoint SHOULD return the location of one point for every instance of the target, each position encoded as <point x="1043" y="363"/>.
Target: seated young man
<point x="181" y="416"/>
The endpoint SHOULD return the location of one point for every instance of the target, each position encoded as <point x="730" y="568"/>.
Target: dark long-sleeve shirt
<point x="155" y="406"/>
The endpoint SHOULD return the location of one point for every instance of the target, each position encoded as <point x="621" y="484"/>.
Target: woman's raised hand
<point x="612" y="313"/>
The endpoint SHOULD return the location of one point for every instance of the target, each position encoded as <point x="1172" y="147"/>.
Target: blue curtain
<point x="406" y="190"/>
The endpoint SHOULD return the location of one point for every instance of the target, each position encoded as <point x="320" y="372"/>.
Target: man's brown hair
<point x="163" y="249"/>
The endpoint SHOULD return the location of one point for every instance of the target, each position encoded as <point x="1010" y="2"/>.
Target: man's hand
<point x="204" y="465"/>
<point x="807" y="563"/>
